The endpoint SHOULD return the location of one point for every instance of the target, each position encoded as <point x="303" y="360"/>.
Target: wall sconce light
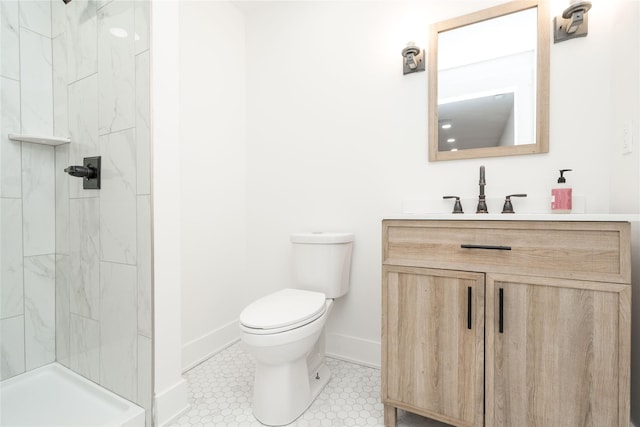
<point x="573" y="23"/>
<point x="413" y="59"/>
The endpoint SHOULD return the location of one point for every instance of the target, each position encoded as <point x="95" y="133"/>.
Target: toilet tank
<point x="322" y="262"/>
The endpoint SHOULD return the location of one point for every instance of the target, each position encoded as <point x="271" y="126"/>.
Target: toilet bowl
<point x="284" y="331"/>
<point x="286" y="380"/>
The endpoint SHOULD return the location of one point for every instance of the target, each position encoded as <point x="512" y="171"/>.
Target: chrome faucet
<point x="482" y="204"/>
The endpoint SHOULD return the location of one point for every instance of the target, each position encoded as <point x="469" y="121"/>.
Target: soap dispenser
<point x="561" y="197"/>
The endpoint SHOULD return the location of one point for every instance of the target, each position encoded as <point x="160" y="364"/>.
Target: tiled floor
<point x="220" y="393"/>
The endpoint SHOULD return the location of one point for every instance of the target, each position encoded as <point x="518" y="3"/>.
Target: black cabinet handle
<point x="469" y="307"/>
<point x="501" y="311"/>
<point x="491" y="247"/>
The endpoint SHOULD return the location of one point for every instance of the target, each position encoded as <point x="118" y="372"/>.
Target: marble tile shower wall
<point x="76" y="264"/>
<point x="27" y="193"/>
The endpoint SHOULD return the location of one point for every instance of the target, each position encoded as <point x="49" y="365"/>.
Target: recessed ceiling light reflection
<point x="446" y="126"/>
<point x="454" y="149"/>
<point x="451" y="140"/>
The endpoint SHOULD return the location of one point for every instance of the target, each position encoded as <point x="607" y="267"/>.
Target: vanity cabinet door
<point x="433" y="344"/>
<point x="557" y="352"/>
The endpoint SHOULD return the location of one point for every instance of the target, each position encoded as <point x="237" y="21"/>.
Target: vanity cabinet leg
<point x="390" y="416"/>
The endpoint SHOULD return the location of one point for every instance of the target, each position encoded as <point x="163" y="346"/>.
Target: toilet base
<point x="318" y="381"/>
<point x="282" y="393"/>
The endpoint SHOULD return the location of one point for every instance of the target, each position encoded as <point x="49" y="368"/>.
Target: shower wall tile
<point x="118" y="331"/>
<point x="38" y="199"/>
<point x="118" y="197"/>
<point x="58" y="19"/>
<point x="84" y="347"/>
<point x="84" y="261"/>
<point x="62" y="309"/>
<point x="103" y="3"/>
<point x="83" y="128"/>
<point x="10" y="39"/>
<point x="116" y="67"/>
<point x="35" y="15"/>
<point x="11" y="347"/>
<point x="62" y="199"/>
<point x="36" y="83"/>
<point x="10" y="151"/>
<point x="39" y="310"/>
<point x="144" y="266"/>
<point x="11" y="260"/>
<point x="65" y="72"/>
<point x="143" y="111"/>
<point x="60" y="90"/>
<point x="81" y="33"/>
<point x="141" y="37"/>
<point x="145" y="372"/>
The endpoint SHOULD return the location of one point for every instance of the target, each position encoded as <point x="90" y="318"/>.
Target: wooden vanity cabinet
<point x="434" y="323"/>
<point x="507" y="323"/>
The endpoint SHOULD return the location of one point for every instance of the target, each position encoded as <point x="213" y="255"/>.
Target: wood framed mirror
<point x="489" y="82"/>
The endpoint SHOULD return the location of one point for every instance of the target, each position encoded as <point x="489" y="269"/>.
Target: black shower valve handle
<point x="87" y="172"/>
<point x="90" y="172"/>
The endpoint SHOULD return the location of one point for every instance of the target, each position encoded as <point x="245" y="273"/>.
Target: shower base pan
<point x="55" y="396"/>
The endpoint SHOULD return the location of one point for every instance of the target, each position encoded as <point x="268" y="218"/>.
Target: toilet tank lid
<point x="322" y="237"/>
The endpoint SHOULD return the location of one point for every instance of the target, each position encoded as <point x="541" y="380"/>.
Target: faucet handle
<point x="457" y="206"/>
<point x="508" y="207"/>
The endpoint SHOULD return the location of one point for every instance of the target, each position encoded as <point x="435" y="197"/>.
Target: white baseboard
<point x="197" y="351"/>
<point x="352" y="349"/>
<point x="344" y="347"/>
<point x="170" y="403"/>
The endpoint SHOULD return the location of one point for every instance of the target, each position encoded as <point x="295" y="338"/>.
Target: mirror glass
<point x="488" y="80"/>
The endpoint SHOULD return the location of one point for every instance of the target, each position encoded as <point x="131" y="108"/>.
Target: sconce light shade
<point x="573" y="23"/>
<point x="413" y="59"/>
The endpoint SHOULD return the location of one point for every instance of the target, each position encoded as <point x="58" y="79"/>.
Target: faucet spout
<point x="482" y="204"/>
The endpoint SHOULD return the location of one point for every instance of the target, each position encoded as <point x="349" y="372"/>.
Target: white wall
<point x="213" y="175"/>
<point x="336" y="137"/>
<point x="170" y="396"/>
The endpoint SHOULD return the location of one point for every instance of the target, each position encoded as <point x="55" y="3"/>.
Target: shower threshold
<point x="55" y="396"/>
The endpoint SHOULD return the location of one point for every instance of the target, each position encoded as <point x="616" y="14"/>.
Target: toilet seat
<point x="282" y="311"/>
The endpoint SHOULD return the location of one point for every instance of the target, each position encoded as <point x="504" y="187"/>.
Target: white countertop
<point x="517" y="217"/>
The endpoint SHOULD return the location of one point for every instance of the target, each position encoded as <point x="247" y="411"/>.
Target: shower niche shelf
<point x="52" y="141"/>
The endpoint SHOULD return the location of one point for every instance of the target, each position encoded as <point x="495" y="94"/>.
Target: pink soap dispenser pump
<point x="561" y="195"/>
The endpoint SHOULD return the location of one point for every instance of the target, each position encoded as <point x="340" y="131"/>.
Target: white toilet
<point x="284" y="331"/>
